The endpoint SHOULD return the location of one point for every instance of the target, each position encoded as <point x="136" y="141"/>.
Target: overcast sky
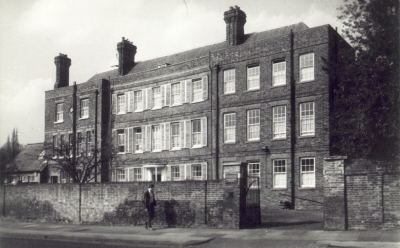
<point x="33" y="32"/>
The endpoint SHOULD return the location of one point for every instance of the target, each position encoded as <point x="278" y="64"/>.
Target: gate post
<point x="334" y="194"/>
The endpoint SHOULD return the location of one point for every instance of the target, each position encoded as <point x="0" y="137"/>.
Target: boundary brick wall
<point x="361" y="195"/>
<point x="184" y="204"/>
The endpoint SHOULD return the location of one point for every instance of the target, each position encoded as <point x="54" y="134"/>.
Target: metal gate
<point x="253" y="211"/>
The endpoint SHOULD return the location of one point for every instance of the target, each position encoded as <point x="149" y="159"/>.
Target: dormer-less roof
<point x="188" y="55"/>
<point x="29" y="159"/>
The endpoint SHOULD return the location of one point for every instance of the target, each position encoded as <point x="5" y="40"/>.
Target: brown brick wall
<point x="185" y="203"/>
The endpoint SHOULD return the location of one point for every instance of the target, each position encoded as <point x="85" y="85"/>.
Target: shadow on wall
<point x="170" y="213"/>
<point x="34" y="210"/>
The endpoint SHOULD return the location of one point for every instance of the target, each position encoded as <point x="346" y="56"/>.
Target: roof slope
<point x="199" y="52"/>
<point x="28" y="159"/>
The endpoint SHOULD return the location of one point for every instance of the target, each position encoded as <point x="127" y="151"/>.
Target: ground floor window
<point x="279" y="177"/>
<point x="307" y="172"/>
<point x="253" y="175"/>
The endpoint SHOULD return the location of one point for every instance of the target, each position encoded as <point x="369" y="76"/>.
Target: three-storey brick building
<point x="261" y="98"/>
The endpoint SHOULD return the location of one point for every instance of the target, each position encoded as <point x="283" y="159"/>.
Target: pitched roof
<point x="146" y="65"/>
<point x="28" y="159"/>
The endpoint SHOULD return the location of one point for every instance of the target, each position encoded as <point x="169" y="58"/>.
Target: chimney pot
<point x="62" y="70"/>
<point x="235" y="20"/>
<point x="126" y="58"/>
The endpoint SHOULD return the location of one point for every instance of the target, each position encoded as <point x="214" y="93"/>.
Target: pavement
<point x="181" y="237"/>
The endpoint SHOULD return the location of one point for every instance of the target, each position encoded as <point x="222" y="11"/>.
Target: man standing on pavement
<point x="150" y="202"/>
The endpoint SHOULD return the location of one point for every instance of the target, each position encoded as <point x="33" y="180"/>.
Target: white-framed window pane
<point x="138" y="102"/>
<point x="196" y="133"/>
<point x="59" y="112"/>
<point x="197" y="90"/>
<point x="307" y="66"/>
<point x="137" y="172"/>
<point x="279" y="73"/>
<point x="175" y="172"/>
<point x="253" y="124"/>
<point x="121" y="140"/>
<point x="279" y="173"/>
<point x="307" y="119"/>
<point x="230" y="127"/>
<point x="307" y="172"/>
<point x="121" y="104"/>
<point x="79" y="143"/>
<point x="253" y="77"/>
<point x="121" y="175"/>
<point x="175" y="135"/>
<point x="229" y="81"/>
<point x="196" y="171"/>
<point x="84" y="108"/>
<point x="176" y="93"/>
<point x="279" y="122"/>
<point x="156" y="136"/>
<point x="157" y="97"/>
<point x="138" y="139"/>
<point x="254" y="175"/>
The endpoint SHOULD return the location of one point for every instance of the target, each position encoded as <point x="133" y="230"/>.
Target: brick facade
<point x="300" y="156"/>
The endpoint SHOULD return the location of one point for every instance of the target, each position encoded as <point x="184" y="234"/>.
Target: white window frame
<point x="138" y="141"/>
<point x="157" y="98"/>
<point x="79" y="143"/>
<point x="156" y="142"/>
<point x="307" y="119"/>
<point x="197" y="174"/>
<point x="197" y="88"/>
<point x="279" y="122"/>
<point x="175" y="173"/>
<point x="279" y="177"/>
<point x="121" y="177"/>
<point x="307" y="172"/>
<point x="121" y="140"/>
<point x="307" y="67"/>
<point x="229" y="81"/>
<point x="253" y="170"/>
<point x="197" y="137"/>
<point x="175" y="137"/>
<point x="253" y="77"/>
<point x="230" y="128"/>
<point x="88" y="142"/>
<point x="85" y="108"/>
<point x="253" y="121"/>
<point x="176" y="94"/>
<point x="121" y="108"/>
<point x="279" y="73"/>
<point x="138" y="100"/>
<point x="137" y="174"/>
<point x="59" y="112"/>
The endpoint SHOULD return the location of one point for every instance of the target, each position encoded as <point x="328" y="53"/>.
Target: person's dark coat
<point x="148" y="202"/>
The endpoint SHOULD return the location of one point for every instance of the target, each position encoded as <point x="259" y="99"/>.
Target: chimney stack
<point x="62" y="70"/>
<point x="235" y="20"/>
<point x="126" y="58"/>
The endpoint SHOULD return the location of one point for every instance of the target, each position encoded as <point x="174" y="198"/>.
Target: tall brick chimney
<point x="62" y="70"/>
<point x="235" y="20"/>
<point x="126" y="58"/>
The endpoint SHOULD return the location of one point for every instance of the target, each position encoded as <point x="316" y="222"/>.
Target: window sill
<point x="196" y="146"/>
<point x="230" y="142"/>
<point x="176" y="104"/>
<point x="156" y="108"/>
<point x="156" y="151"/>
<point x="121" y="153"/>
<point x="58" y="122"/>
<point x="176" y="149"/>
<point x="253" y="141"/>
<point x="201" y="100"/>
<point x="277" y="139"/>
<point x="122" y="113"/>
<point x="229" y="93"/>
<point x="84" y="118"/>
<point x="277" y="86"/>
<point x="307" y="80"/>
<point x="255" y="89"/>
<point x="138" y="152"/>
<point x="307" y="136"/>
<point x="138" y="110"/>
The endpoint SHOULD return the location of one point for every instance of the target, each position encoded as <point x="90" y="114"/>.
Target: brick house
<point x="261" y="98"/>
